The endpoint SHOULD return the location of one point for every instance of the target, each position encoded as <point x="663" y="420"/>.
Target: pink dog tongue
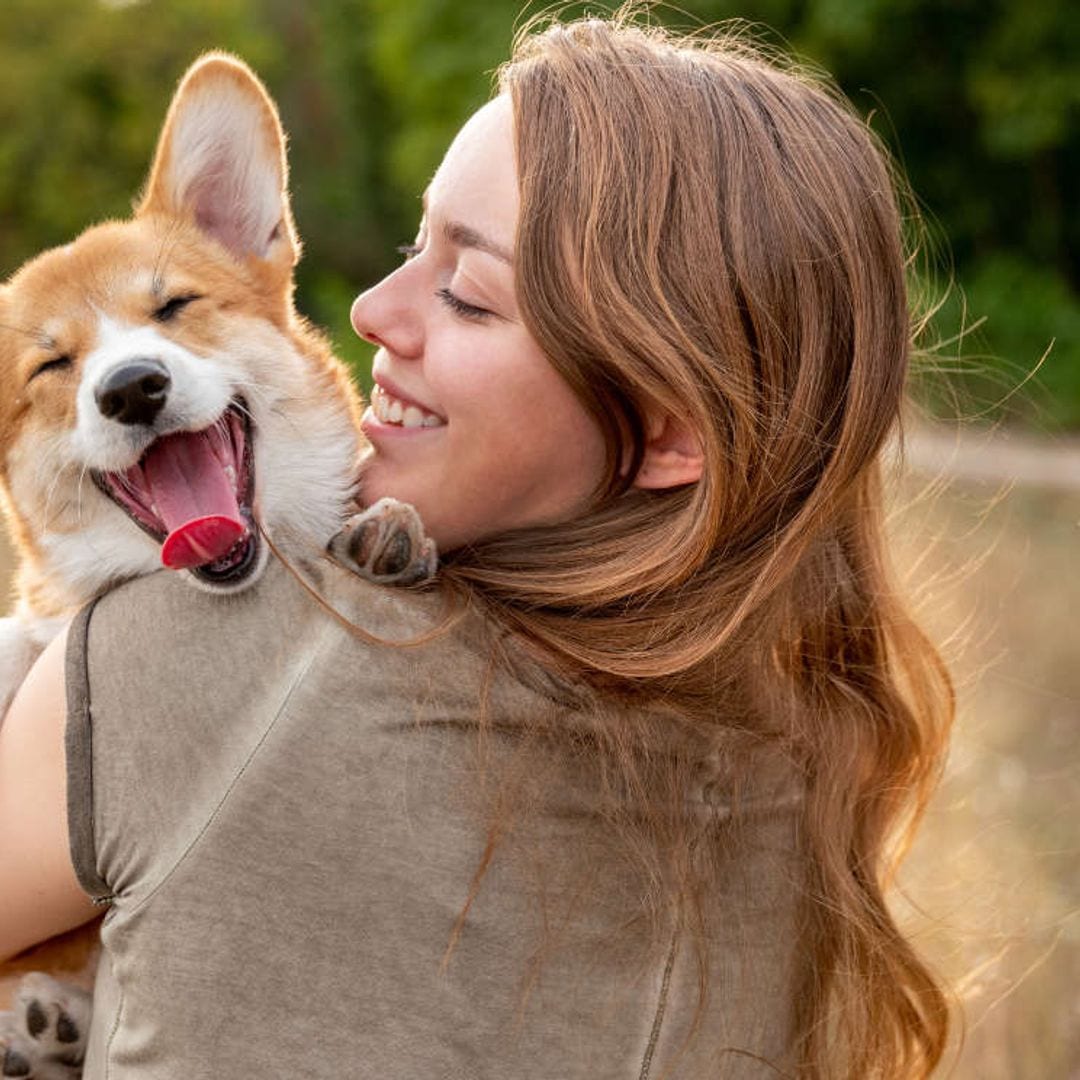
<point x="194" y="498"/>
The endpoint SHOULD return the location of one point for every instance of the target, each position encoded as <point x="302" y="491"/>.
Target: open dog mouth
<point x="192" y="491"/>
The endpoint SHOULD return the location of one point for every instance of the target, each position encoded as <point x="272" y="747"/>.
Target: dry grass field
<point x="994" y="878"/>
<point x="995" y="872"/>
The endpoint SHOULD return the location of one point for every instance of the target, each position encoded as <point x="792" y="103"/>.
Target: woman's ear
<point x="672" y="457"/>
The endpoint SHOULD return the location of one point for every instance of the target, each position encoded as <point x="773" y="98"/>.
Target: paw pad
<point x="15" y="1064"/>
<point x="66" y="1030"/>
<point x="36" y="1020"/>
<point x="44" y="1038"/>
<point x="395" y="555"/>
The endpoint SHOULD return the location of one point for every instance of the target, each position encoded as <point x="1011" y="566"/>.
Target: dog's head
<point x="160" y="400"/>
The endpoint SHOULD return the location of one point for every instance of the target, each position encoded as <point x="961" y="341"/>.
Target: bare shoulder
<point x="39" y="892"/>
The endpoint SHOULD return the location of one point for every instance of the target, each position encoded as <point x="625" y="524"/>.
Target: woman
<point x="627" y="813"/>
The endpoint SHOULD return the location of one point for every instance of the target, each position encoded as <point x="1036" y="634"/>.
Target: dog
<point x="163" y="404"/>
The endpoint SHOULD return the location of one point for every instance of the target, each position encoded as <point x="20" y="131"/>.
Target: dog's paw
<point x="21" y="1057"/>
<point x="386" y="544"/>
<point x="44" y="1037"/>
<point x="15" y="1053"/>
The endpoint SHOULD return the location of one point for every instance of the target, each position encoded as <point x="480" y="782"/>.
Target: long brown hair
<point x="713" y="235"/>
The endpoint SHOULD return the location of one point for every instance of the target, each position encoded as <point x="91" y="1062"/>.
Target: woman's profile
<point x="631" y="811"/>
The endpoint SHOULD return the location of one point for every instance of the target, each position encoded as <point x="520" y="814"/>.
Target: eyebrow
<point x="464" y="236"/>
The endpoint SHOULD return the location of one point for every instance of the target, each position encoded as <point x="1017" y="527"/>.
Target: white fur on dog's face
<point x="198" y="394"/>
<point x="214" y="229"/>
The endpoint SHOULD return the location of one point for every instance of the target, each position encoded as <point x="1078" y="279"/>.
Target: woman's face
<point x="468" y="421"/>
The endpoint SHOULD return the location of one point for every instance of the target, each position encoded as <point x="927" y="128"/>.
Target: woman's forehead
<point x="476" y="185"/>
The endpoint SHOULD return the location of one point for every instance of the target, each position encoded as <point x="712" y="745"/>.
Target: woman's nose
<point x="384" y="316"/>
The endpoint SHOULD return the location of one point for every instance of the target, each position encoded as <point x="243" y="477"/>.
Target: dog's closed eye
<point x="174" y="305"/>
<point x="57" y="363"/>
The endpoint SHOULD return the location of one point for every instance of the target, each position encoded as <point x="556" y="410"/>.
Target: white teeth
<point x="389" y="410"/>
<point x="230" y="472"/>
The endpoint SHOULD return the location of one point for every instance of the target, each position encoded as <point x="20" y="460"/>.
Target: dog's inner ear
<point x="234" y="203"/>
<point x="221" y="162"/>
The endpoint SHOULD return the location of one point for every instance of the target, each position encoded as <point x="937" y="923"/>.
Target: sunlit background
<point x="980" y="104"/>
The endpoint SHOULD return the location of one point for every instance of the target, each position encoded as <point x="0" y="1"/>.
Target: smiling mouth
<point x="391" y="410"/>
<point x="192" y="492"/>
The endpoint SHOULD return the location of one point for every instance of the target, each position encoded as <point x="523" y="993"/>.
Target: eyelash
<point x="460" y="307"/>
<point x="168" y="310"/>
<point x="57" y="363"/>
<point x="455" y="303"/>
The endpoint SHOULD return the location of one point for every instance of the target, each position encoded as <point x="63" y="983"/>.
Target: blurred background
<point x="980" y="104"/>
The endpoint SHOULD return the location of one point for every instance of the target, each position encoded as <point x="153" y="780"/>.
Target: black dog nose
<point x="134" y="392"/>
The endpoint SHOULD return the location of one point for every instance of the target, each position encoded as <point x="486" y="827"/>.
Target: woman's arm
<point x="39" y="893"/>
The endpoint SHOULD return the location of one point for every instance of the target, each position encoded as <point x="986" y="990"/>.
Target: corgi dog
<point x="162" y="403"/>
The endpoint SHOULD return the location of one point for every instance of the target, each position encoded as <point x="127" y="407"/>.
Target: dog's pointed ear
<point x="221" y="163"/>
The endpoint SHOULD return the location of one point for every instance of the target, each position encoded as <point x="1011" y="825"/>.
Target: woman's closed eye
<point x="463" y="308"/>
<point x="454" y="302"/>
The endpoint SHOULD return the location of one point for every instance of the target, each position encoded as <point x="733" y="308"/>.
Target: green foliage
<point x="978" y="101"/>
<point x="981" y="105"/>
<point x="83" y="88"/>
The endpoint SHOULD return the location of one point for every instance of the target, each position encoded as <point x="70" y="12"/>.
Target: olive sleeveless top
<point x="286" y="824"/>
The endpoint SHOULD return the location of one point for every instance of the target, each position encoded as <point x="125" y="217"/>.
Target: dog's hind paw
<point x="20" y="1056"/>
<point x="386" y="544"/>
<point x="16" y="1056"/>
<point x="44" y="1037"/>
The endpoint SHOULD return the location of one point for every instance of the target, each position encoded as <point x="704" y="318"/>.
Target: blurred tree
<point x="83" y="89"/>
<point x="979" y="102"/>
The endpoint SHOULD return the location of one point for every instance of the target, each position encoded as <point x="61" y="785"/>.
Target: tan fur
<point x="70" y="956"/>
